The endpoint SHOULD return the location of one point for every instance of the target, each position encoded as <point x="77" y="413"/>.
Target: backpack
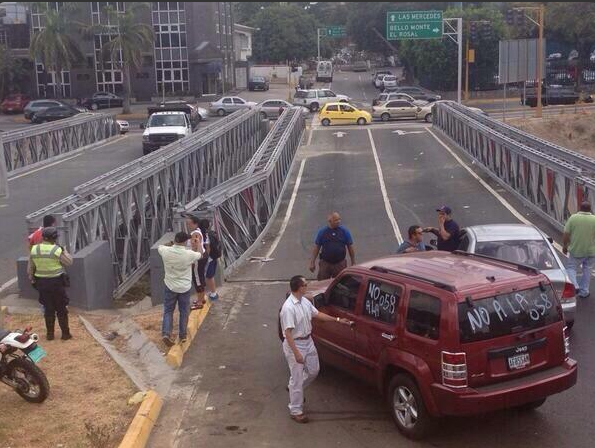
<point x="215" y="246"/>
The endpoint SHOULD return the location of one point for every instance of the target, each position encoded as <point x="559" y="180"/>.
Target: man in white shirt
<point x="177" y="263"/>
<point x="296" y="322"/>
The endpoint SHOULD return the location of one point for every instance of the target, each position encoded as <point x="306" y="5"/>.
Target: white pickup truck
<point x="164" y="128"/>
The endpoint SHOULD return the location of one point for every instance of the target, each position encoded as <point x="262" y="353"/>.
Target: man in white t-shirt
<point x="177" y="264"/>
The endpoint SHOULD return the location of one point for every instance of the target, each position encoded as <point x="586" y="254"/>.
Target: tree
<point x="286" y="32"/>
<point x="12" y="70"/>
<point x="56" y="45"/>
<point x="128" y="39"/>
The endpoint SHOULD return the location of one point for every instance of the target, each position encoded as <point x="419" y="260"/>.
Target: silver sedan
<point x="398" y="109"/>
<point x="273" y="108"/>
<point x="524" y="244"/>
<point x="229" y="104"/>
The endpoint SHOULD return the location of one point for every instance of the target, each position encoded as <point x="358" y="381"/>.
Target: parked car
<point x="520" y="243"/>
<point x="389" y="81"/>
<point x="443" y="334"/>
<point x="54" y="113"/>
<point x="360" y="66"/>
<point x="102" y="100"/>
<point x="379" y="82"/>
<point x="343" y="113"/>
<point x="164" y="128"/>
<point x="229" y="104"/>
<point x="314" y="99"/>
<point x="389" y="96"/>
<point x="273" y="108"/>
<point x="258" y="83"/>
<point x="14" y="103"/>
<point x="39" y="105"/>
<point x="418" y="93"/>
<point x="123" y="126"/>
<point x="379" y="73"/>
<point x="399" y="109"/>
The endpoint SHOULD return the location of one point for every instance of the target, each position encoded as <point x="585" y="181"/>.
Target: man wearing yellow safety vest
<point x="46" y="272"/>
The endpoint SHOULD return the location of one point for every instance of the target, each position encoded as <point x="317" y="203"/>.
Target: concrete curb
<point x="140" y="429"/>
<point x="175" y="355"/>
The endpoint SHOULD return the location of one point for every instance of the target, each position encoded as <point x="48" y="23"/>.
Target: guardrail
<point x="552" y="180"/>
<point x="243" y="207"/>
<point x="131" y="207"/>
<point x="24" y="149"/>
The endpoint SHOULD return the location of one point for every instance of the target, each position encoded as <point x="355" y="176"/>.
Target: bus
<point x="324" y="71"/>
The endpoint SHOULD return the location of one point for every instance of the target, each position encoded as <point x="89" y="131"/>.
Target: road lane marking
<point x="8" y="284"/>
<point x="387" y="206"/>
<point x="288" y="212"/>
<point x="497" y="195"/>
<point x="44" y="167"/>
<point x="117" y="139"/>
<point x="310" y="137"/>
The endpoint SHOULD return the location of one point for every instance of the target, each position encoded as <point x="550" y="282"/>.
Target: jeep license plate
<point x="36" y="354"/>
<point x="519" y="361"/>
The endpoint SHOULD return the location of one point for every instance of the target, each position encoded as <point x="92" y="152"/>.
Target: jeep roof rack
<point x="438" y="284"/>
<point x="519" y="266"/>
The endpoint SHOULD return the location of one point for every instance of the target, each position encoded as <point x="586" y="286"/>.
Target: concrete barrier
<point x="91" y="278"/>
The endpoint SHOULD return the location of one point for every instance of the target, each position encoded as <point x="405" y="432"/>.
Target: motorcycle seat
<point x="3" y="334"/>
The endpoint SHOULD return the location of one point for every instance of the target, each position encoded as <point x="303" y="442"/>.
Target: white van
<point x="324" y="71"/>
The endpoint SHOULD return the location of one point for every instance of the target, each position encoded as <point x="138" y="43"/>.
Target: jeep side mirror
<point x="319" y="301"/>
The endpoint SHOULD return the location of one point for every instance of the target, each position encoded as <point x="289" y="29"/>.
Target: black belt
<point x="302" y="338"/>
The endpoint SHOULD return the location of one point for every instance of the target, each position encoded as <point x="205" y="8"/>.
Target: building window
<point x="108" y="72"/>
<point x="46" y="81"/>
<point x="171" y="52"/>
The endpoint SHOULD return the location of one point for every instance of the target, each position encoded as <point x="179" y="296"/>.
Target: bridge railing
<point x="24" y="149"/>
<point x="551" y="180"/>
<point x="132" y="206"/>
<point x="243" y="207"/>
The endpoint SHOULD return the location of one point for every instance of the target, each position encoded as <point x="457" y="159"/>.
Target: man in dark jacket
<point x="447" y="231"/>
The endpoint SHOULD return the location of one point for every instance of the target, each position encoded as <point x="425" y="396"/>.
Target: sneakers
<point x="213" y="296"/>
<point x="167" y="341"/>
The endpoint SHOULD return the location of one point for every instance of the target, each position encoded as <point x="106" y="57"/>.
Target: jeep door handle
<point x="390" y="337"/>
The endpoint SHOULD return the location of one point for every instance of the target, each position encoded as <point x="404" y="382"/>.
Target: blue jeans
<point x="170" y="299"/>
<point x="585" y="264"/>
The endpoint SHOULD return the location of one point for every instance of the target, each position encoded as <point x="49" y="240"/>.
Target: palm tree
<point x="56" y="45"/>
<point x="129" y="39"/>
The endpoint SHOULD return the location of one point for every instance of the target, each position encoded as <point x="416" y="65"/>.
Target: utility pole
<point x="467" y="63"/>
<point x="540" y="19"/>
<point x="318" y="41"/>
<point x="460" y="44"/>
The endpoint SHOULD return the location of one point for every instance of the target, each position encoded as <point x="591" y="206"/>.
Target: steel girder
<point x="243" y="207"/>
<point x="23" y="148"/>
<point x="545" y="178"/>
<point x="132" y="207"/>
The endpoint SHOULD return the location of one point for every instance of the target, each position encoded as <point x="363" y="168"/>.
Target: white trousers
<point x="301" y="375"/>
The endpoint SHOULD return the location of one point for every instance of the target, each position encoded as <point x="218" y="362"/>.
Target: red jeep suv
<point x="446" y="334"/>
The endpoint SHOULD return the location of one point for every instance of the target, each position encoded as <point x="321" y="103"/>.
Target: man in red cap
<point x="447" y="231"/>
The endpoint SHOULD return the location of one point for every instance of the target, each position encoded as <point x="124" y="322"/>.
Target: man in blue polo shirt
<point x="332" y="243"/>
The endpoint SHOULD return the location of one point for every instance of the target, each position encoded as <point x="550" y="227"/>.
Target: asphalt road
<point x="36" y="189"/>
<point x="231" y="389"/>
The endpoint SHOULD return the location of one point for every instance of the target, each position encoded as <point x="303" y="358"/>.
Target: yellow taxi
<point x="343" y="113"/>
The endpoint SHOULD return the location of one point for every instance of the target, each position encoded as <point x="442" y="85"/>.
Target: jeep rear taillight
<point x="454" y="369"/>
<point x="568" y="292"/>
<point x="566" y="343"/>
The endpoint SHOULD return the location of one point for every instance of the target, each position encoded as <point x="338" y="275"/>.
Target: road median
<point x="175" y="355"/>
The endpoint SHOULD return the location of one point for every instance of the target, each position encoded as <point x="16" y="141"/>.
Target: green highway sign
<point x="405" y="25"/>
<point x="333" y="31"/>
